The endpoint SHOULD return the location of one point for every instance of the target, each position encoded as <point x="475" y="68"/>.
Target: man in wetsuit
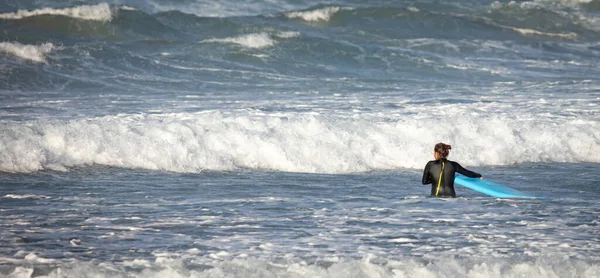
<point x="440" y="172"/>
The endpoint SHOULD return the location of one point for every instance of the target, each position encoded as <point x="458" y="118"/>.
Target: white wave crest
<point x="258" y="40"/>
<point x="297" y="143"/>
<point x="100" y="12"/>
<point x="25" y="196"/>
<point x="323" y="14"/>
<point x="529" y="32"/>
<point x="223" y="264"/>
<point x="36" y="53"/>
<point x="288" y="34"/>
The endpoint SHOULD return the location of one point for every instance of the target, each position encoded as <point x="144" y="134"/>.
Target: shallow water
<point x="248" y="223"/>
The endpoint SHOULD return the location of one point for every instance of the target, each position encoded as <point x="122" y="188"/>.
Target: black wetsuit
<point x="432" y="171"/>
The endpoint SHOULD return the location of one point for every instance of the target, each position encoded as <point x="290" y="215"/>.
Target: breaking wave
<point x="35" y="53"/>
<point x="100" y="12"/>
<point x="210" y="141"/>
<point x="369" y="266"/>
<point x="322" y="14"/>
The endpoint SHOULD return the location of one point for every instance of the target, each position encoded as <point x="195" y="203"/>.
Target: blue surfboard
<point x="491" y="188"/>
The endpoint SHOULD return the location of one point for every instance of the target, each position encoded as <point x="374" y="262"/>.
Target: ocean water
<point x="287" y="138"/>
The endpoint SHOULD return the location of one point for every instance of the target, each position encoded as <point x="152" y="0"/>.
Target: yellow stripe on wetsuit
<point x="440" y="180"/>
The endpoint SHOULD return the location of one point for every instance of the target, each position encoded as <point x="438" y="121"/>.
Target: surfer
<point x="440" y="172"/>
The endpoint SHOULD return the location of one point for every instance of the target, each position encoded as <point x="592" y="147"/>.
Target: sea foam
<point x="36" y="53"/>
<point x="323" y="14"/>
<point x="368" y="266"/>
<point x="100" y="12"/>
<point x="295" y="143"/>
<point x="255" y="40"/>
<point x="531" y="32"/>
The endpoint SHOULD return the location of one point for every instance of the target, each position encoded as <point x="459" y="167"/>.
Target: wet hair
<point x="442" y="149"/>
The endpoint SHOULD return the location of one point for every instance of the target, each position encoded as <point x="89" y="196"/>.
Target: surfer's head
<point x="441" y="150"/>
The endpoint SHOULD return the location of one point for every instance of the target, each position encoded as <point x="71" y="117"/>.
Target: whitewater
<point x="288" y="138"/>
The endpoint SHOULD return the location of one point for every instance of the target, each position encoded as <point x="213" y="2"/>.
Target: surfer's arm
<point x="426" y="176"/>
<point x="466" y="172"/>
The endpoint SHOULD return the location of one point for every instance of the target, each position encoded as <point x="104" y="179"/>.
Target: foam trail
<point x="528" y="32"/>
<point x="100" y="12"/>
<point x="258" y="40"/>
<point x="541" y="3"/>
<point x="36" y="53"/>
<point x="300" y="143"/>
